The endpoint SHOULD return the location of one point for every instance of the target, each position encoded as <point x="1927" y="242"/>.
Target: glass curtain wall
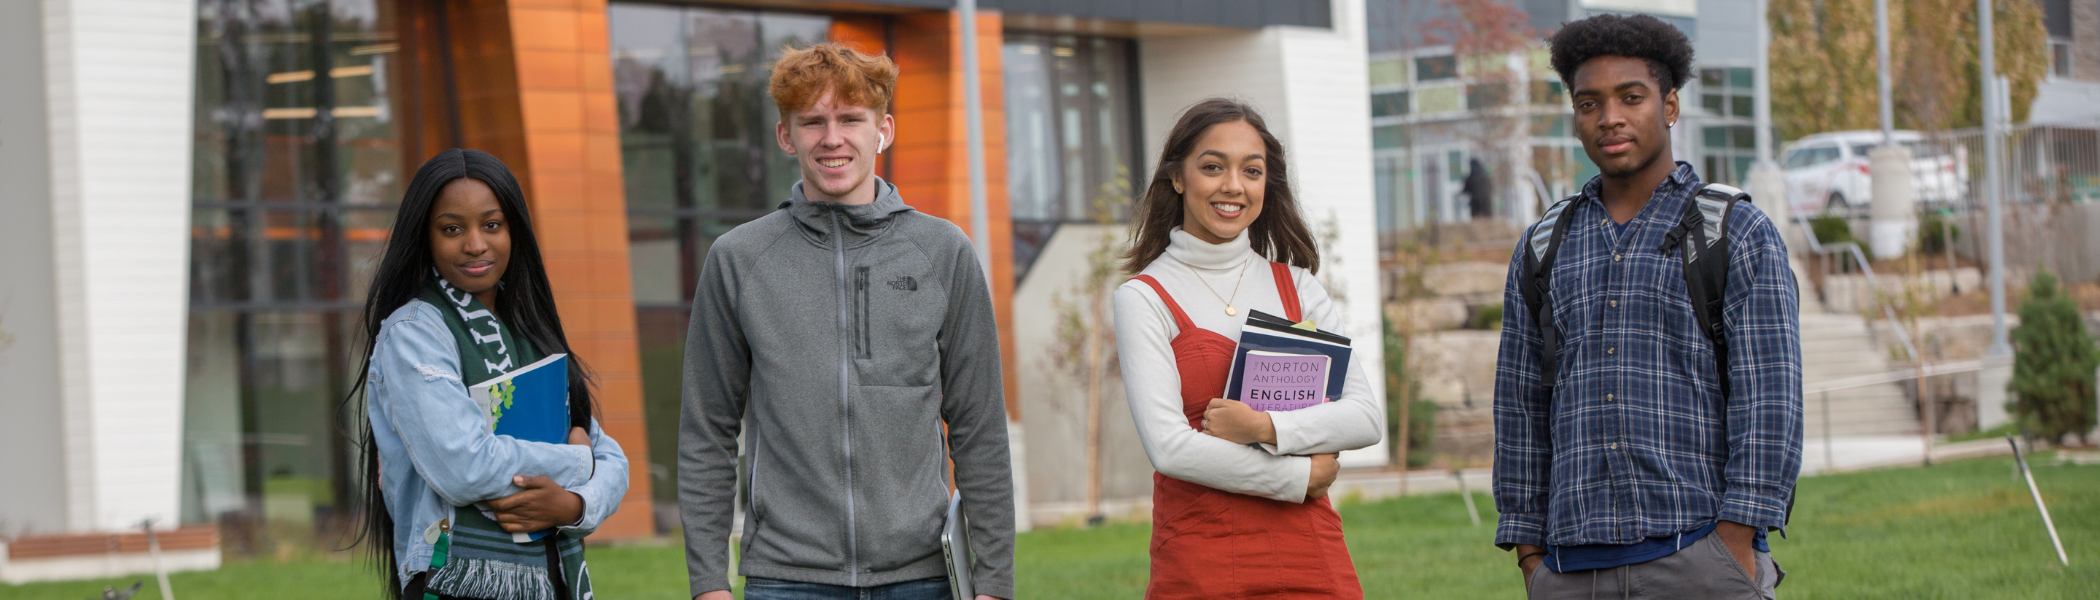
<point x="1728" y="135"/>
<point x="297" y="172"/>
<point x="1071" y="134"/>
<point x="697" y="147"/>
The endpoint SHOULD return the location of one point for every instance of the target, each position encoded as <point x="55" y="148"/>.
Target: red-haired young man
<point x="849" y="341"/>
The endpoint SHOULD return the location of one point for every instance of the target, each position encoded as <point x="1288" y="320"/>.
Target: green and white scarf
<point x="475" y="557"/>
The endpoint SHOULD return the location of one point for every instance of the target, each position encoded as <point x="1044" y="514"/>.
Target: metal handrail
<point x="1808" y="232"/>
<point x="1824" y="389"/>
<point x="1946" y="368"/>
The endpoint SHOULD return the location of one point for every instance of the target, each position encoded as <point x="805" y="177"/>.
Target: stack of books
<point x="1281" y="365"/>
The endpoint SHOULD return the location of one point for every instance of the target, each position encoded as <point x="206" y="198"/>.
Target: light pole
<point x="1893" y="222"/>
<point x="973" y="126"/>
<point x="1761" y="82"/>
<point x="1881" y="48"/>
<point x="1994" y="237"/>
<point x="1765" y="182"/>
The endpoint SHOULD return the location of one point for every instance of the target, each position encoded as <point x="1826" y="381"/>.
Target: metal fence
<point x="2051" y="190"/>
<point x="2043" y="163"/>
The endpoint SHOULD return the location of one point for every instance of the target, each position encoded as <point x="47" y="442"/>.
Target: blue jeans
<point x="773" y="589"/>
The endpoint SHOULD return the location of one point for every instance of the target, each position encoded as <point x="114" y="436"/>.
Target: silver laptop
<point x="955" y="546"/>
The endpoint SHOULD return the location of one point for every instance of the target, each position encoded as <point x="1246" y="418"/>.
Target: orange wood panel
<point x="535" y="89"/>
<point x="931" y="165"/>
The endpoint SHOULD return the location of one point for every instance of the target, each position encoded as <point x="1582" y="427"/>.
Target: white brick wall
<point x="1312" y="87"/>
<point x="118" y="80"/>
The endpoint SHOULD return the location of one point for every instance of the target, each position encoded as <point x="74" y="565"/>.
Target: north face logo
<point x="905" y="283"/>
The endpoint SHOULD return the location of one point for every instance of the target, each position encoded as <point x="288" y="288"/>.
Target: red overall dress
<point x="1210" y="543"/>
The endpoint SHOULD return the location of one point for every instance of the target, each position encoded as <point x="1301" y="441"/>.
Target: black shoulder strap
<point x="1702" y="232"/>
<point x="1537" y="281"/>
<point x="1706" y="258"/>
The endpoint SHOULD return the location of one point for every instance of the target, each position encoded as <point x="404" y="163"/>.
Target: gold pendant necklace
<point x="1230" y="311"/>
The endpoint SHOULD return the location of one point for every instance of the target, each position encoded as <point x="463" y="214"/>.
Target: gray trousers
<point x="1706" y="570"/>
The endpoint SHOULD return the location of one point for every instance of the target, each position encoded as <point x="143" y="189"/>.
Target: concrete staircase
<point x="1838" y="346"/>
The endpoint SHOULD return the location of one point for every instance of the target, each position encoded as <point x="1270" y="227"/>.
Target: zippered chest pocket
<point x="897" y="315"/>
<point x="862" y="348"/>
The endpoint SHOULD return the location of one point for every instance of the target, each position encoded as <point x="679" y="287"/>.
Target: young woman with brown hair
<point x="1218" y="234"/>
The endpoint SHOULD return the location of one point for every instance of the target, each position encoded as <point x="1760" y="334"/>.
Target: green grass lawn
<point x="1959" y="530"/>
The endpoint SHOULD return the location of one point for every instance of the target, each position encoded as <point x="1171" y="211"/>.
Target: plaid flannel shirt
<point x="1636" y="440"/>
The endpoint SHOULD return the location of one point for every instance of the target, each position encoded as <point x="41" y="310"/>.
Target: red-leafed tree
<point x="1492" y="42"/>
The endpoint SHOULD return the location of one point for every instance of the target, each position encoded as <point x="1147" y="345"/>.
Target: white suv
<point x="1830" y="170"/>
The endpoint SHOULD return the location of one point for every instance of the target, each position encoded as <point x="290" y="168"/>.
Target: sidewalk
<point x="1851" y="453"/>
<point x="1855" y="453"/>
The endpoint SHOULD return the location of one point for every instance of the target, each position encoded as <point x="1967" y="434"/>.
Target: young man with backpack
<point x="1648" y="389"/>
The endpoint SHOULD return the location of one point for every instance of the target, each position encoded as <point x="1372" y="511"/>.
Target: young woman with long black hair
<point x="1218" y="233"/>
<point x="461" y="296"/>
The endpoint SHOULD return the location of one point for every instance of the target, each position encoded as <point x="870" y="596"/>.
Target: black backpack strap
<point x="1703" y="233"/>
<point x="1536" y="283"/>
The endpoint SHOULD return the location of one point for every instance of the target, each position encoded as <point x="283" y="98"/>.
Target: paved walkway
<point x="1851" y="453"/>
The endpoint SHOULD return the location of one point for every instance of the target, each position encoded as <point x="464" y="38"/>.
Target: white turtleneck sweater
<point x="1145" y="332"/>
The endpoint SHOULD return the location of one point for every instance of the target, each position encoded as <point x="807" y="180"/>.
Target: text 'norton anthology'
<point x="1274" y="381"/>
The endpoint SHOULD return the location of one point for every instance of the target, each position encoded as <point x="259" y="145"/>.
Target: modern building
<point x="2071" y="91"/>
<point x="197" y="192"/>
<point x="1434" y="113"/>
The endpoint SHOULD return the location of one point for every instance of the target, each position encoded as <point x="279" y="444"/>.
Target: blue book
<point x="531" y="404"/>
<point x="1273" y="336"/>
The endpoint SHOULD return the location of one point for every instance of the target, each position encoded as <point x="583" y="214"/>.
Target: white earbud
<point x="880" y="141"/>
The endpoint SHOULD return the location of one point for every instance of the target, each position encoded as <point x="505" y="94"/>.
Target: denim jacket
<point x="435" y="449"/>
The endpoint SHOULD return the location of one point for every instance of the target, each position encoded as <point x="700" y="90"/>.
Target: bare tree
<point x="1086" y="337"/>
<point x="1491" y="40"/>
<point x="1404" y="373"/>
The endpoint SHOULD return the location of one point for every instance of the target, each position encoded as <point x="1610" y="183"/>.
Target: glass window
<point x="1071" y="135"/>
<point x="1715" y="137"/>
<point x="1388" y="72"/>
<point x="1549" y="126"/>
<point x="1808" y="157"/>
<point x="1441" y="99"/>
<point x="1713" y="78"/>
<point x="1727" y="92"/>
<point x="1725" y="149"/>
<point x="1432" y="68"/>
<point x="1487" y="95"/>
<point x="699" y="156"/>
<point x="1393" y="189"/>
<point x="1389" y="104"/>
<point x="297" y="167"/>
<point x="1389" y="136"/>
<point x="1548" y="93"/>
<point x="1797" y="158"/>
<point x="2060" y="58"/>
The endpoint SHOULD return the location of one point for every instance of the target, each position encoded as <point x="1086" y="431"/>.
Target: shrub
<point x="1486" y="317"/>
<point x="1831" y="229"/>
<point x="1400" y="386"/>
<point x="1421" y="433"/>
<point x="1933" y="232"/>
<point x="2053" y="361"/>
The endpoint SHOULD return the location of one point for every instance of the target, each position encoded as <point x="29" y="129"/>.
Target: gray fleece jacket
<point x="838" y="339"/>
